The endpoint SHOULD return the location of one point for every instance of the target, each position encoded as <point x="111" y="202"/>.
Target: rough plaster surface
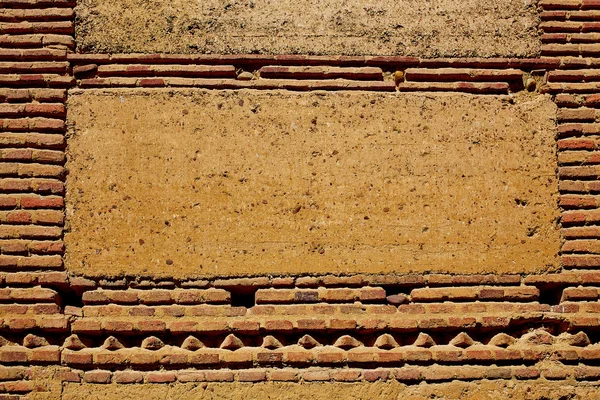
<point x="444" y="28"/>
<point x="483" y="390"/>
<point x="243" y="183"/>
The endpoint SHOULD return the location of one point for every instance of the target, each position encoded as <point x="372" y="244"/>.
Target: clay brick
<point x="128" y="377"/>
<point x="526" y="373"/>
<point x="97" y="376"/>
<point x="77" y="358"/>
<point x="265" y="296"/>
<point x="311" y="324"/>
<point x="151" y="326"/>
<point x="68" y="376"/>
<point x="330" y="357"/>
<point x="154" y="296"/>
<point x="298" y="357"/>
<point x="252" y="376"/>
<point x="183" y="326"/>
<point x="86" y="326"/>
<point x="219" y="376"/>
<point x="13" y="354"/>
<point x="408" y="374"/>
<point x="204" y="358"/>
<point x="284" y="375"/>
<point x="245" y="326"/>
<point x="45" y="354"/>
<point x="341" y="324"/>
<point x="191" y="376"/>
<point x="160" y="377"/>
<point x="312" y="376"/>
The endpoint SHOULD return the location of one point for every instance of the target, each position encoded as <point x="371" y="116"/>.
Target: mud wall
<point x="257" y="199"/>
<point x="233" y="183"/>
<point x="416" y="28"/>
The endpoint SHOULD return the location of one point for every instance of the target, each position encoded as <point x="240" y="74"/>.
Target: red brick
<point x="68" y="376"/>
<point x="407" y="374"/>
<point x="526" y="373"/>
<point x="202" y="358"/>
<point x="13" y="354"/>
<point x="77" y="358"/>
<point x="311" y="376"/>
<point x="46" y="354"/>
<point x="160" y="377"/>
<point x="252" y="376"/>
<point x="286" y="375"/>
<point x="97" y="376"/>
<point x="219" y="376"/>
<point x="128" y="377"/>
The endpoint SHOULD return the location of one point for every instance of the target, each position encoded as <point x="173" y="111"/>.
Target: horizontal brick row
<point x="36" y="80"/>
<point x="569" y="4"/>
<point x="33" y="262"/>
<point x="551" y="87"/>
<point x="464" y="74"/>
<point x="320" y="72"/>
<point x="287" y="322"/>
<point x="43" y="279"/>
<point x="260" y="60"/>
<point x="36" y="3"/>
<point x="575" y="15"/>
<point x="34" y="54"/>
<point x="141" y="70"/>
<point x="300" y="85"/>
<point x="23" y="355"/>
<point x="50" y="110"/>
<point x="328" y="355"/>
<point x="316" y="281"/>
<point x="569" y="26"/>
<point x="30" y="201"/>
<point x="409" y="374"/>
<point x="36" y="14"/>
<point x="489" y="293"/>
<point x="321" y="309"/>
<point x="578" y="157"/>
<point x="31" y="247"/>
<point x="26" y="323"/>
<point x="574" y="101"/>
<point x="28" y="295"/>
<point x="29" y="309"/>
<point x="156" y="296"/>
<point x="32" y="185"/>
<point x="36" y="40"/>
<point x="365" y="294"/>
<point x="25" y="27"/>
<point x="580" y="293"/>
<point x="40" y="67"/>
<point x="38" y="217"/>
<point x="25" y="170"/>
<point x="569" y="201"/>
<point x="33" y="94"/>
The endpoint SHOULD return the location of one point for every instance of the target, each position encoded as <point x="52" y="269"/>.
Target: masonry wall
<point x="283" y="200"/>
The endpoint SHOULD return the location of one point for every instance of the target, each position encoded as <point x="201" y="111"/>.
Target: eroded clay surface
<point x="246" y="183"/>
<point x="483" y="390"/>
<point x="425" y="28"/>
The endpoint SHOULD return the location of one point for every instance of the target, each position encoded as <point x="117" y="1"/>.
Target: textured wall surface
<point x="111" y="160"/>
<point x="239" y="184"/>
<point x="422" y="28"/>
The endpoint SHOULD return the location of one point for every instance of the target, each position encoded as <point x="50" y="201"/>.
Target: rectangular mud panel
<point x="444" y="28"/>
<point x="246" y="183"/>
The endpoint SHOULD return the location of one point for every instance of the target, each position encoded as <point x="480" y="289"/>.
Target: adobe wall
<point x="285" y="200"/>
<point x="445" y="28"/>
<point x="234" y="183"/>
